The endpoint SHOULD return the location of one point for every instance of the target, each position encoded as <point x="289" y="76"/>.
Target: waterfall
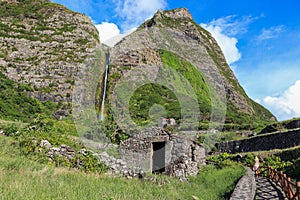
<point x="104" y="87"/>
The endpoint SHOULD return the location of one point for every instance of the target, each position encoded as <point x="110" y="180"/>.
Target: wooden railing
<point x="290" y="188"/>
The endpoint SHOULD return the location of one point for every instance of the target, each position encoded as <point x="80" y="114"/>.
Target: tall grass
<point x="24" y="179"/>
<point x="58" y="183"/>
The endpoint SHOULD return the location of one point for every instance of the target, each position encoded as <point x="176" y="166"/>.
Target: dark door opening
<point x="158" y="159"/>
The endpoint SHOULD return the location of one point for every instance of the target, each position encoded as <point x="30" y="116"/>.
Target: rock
<point x="61" y="114"/>
<point x="45" y="144"/>
<point x="238" y="158"/>
<point x="82" y="152"/>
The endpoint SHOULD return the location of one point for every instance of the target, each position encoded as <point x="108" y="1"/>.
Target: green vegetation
<point x="293" y="170"/>
<point x="109" y="126"/>
<point x="15" y="104"/>
<point x="276" y="160"/>
<point x="148" y="95"/>
<point x="27" y="179"/>
<point x="24" y="141"/>
<point x="195" y="78"/>
<point x="222" y="136"/>
<point x="236" y="120"/>
<point x="290" y="167"/>
<point x="33" y="9"/>
<point x="282" y="126"/>
<point x="28" y="19"/>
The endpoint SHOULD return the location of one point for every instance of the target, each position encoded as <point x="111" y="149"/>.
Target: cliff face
<point x="177" y="35"/>
<point x="43" y="45"/>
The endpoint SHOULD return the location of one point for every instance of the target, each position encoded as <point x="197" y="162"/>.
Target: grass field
<point x="22" y="178"/>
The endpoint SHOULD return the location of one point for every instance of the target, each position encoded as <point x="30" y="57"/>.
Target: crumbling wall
<point x="182" y="156"/>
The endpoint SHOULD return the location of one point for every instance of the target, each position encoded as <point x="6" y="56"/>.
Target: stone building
<point x="158" y="151"/>
<point x="164" y="122"/>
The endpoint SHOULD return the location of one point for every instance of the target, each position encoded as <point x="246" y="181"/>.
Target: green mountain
<point x="171" y="49"/>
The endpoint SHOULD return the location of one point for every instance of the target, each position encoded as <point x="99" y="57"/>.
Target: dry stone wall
<point x="182" y="156"/>
<point x="281" y="140"/>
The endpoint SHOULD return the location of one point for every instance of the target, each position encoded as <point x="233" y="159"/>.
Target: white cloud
<point x="107" y="30"/>
<point x="225" y="30"/>
<point x="135" y="12"/>
<point x="114" y="40"/>
<point x="227" y="44"/>
<point x="287" y="105"/>
<point x="272" y="32"/>
<point x="110" y="33"/>
<point x="232" y="25"/>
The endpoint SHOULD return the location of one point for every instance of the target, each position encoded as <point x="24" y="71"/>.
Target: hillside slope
<point x="44" y="45"/>
<point x="173" y="39"/>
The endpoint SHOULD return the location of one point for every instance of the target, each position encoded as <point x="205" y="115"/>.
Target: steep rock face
<point x="44" y="45"/>
<point x="176" y="32"/>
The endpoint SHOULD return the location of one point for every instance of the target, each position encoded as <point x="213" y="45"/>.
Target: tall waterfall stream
<point x="104" y="87"/>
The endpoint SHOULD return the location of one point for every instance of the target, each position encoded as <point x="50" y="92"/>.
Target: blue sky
<point x="260" y="39"/>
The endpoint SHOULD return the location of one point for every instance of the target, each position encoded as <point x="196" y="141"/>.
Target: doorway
<point x="158" y="157"/>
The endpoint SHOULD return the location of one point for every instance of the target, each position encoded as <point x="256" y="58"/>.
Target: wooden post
<point x="275" y="175"/>
<point x="281" y="179"/>
<point x="284" y="184"/>
<point x="298" y="190"/>
<point x="289" y="189"/>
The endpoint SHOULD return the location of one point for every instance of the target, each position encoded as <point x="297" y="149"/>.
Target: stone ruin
<point x="165" y="122"/>
<point x="157" y="150"/>
<point x="153" y="150"/>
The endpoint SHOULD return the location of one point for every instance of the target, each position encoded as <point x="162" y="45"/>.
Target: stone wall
<point x="245" y="188"/>
<point x="279" y="126"/>
<point x="116" y="166"/>
<point x="182" y="156"/>
<point x="266" y="142"/>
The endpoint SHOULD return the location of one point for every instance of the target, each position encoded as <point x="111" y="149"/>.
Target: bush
<point x="15" y="103"/>
<point x="88" y="163"/>
<point x="11" y="130"/>
<point x="28" y="145"/>
<point x="248" y="159"/>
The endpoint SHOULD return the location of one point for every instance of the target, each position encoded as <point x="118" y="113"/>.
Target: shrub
<point x="88" y="163"/>
<point x="11" y="130"/>
<point x="28" y="145"/>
